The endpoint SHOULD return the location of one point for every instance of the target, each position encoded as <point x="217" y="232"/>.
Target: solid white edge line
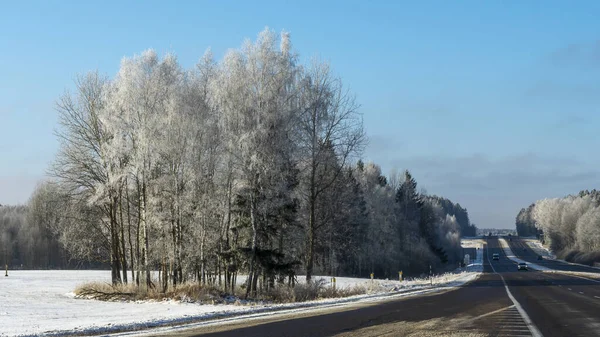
<point x="490" y="313"/>
<point x="535" y="332"/>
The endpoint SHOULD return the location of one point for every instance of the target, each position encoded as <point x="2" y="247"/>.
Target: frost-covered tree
<point x="569" y="225"/>
<point x="86" y="167"/>
<point x="329" y="124"/>
<point x="236" y="166"/>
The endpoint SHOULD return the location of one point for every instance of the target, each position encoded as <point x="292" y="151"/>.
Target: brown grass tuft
<point x="188" y="292"/>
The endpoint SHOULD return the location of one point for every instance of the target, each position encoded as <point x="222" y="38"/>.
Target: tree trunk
<point x="114" y="245"/>
<point x="131" y="251"/>
<point x="145" y="243"/>
<point x="122" y="227"/>
<point x="254" y="237"/>
<point x="310" y="255"/>
<point x="174" y="237"/>
<point x="202" y="262"/>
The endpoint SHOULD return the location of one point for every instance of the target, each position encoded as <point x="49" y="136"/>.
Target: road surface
<point x="542" y="304"/>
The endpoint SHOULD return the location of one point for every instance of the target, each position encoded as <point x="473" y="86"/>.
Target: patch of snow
<point x="539" y="249"/>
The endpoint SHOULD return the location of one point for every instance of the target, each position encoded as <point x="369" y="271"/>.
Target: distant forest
<point x="28" y="244"/>
<point x="570" y="226"/>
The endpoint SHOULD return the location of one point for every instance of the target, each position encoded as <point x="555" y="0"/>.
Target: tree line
<point x="25" y="243"/>
<point x="246" y="165"/>
<point x="569" y="225"/>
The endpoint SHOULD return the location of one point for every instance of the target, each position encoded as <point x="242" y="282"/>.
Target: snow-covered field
<point x="43" y="303"/>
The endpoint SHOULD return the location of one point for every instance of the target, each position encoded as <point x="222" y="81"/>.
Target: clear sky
<point x="493" y="104"/>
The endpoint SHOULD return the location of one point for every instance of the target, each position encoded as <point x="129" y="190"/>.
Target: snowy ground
<point x="539" y="249"/>
<point x="42" y="302"/>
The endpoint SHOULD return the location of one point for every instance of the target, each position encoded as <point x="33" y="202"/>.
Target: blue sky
<point x="494" y="104"/>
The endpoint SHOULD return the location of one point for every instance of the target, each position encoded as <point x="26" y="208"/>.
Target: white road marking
<point x="535" y="332"/>
<point x="581" y="292"/>
<point x="569" y="288"/>
<point x="597" y="297"/>
<point x="491" y="313"/>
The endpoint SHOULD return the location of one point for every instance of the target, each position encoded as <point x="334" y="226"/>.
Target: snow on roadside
<point x="539" y="249"/>
<point x="42" y="302"/>
<point x="412" y="288"/>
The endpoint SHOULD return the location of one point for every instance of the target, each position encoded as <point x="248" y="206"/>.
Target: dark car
<point x="522" y="266"/>
<point x="540" y="257"/>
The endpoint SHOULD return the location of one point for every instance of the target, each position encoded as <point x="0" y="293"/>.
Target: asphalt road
<point x="553" y="304"/>
<point x="558" y="304"/>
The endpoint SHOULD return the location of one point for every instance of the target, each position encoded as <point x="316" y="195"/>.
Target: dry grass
<point x="196" y="293"/>
<point x="330" y="292"/>
<point x="315" y="290"/>
<point x="188" y="292"/>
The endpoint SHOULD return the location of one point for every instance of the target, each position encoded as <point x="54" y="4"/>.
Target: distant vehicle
<point x="540" y="257"/>
<point x="495" y="256"/>
<point x="522" y="266"/>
